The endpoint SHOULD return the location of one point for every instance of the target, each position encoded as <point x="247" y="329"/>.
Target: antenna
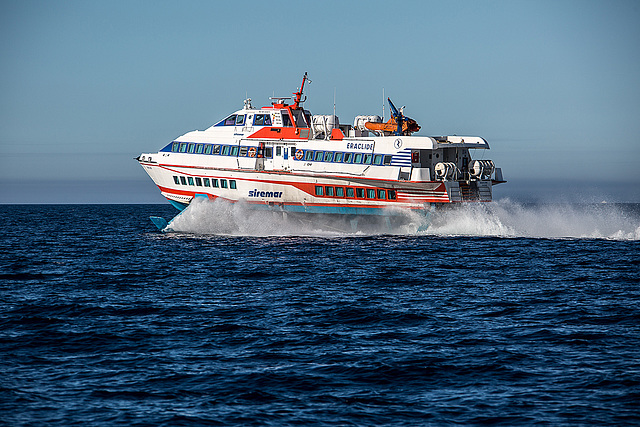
<point x="383" y="105"/>
<point x="334" y="101"/>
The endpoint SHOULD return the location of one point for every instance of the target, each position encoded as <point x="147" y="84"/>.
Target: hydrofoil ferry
<point x="280" y="157"/>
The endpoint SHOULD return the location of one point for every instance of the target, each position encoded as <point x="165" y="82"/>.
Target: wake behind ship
<point x="281" y="157"/>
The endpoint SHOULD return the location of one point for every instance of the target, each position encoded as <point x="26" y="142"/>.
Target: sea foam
<point x="502" y="218"/>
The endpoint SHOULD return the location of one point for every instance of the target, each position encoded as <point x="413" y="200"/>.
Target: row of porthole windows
<point x="223" y="150"/>
<point x="339" y="157"/>
<point x="355" y="192"/>
<point x="306" y="155"/>
<point x="205" y="182"/>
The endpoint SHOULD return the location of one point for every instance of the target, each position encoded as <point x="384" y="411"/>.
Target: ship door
<point x="280" y="154"/>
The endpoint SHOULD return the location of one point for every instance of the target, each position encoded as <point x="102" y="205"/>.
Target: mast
<point x="298" y="94"/>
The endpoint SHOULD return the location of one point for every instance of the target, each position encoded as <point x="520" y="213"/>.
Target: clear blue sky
<point x="86" y="86"/>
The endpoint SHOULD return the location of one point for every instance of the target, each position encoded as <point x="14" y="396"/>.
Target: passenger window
<point x="328" y="156"/>
<point x="206" y="182"/>
<point x="308" y="155"/>
<point x="318" y="190"/>
<point x="223" y="183"/>
<point x="348" y="157"/>
<point x="232" y="184"/>
<point x="183" y="180"/>
<point x="371" y="193"/>
<point x="387" y="160"/>
<point x="183" y="147"/>
<point x="350" y="192"/>
<point x="207" y="149"/>
<point x="391" y="194"/>
<point x="199" y="149"/>
<point x="214" y="183"/>
<point x="319" y="155"/>
<point x="176" y="180"/>
<point x="286" y="120"/>
<point x="339" y="191"/>
<point x="367" y="159"/>
<point x="278" y="151"/>
<point x="357" y="158"/>
<point x="234" y="151"/>
<point x="268" y="152"/>
<point x="382" y="194"/>
<point x="225" y="150"/>
<point x="190" y="179"/>
<point x="240" y="120"/>
<point x="216" y="149"/>
<point x="175" y="147"/>
<point x="377" y="159"/>
<point x="328" y="191"/>
<point x="192" y="148"/>
<point x="198" y="182"/>
<point x="337" y="157"/>
<point x="360" y="193"/>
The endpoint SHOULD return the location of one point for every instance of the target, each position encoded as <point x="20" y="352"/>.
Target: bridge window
<point x="360" y="193"/>
<point x="230" y="121"/>
<point x="328" y="191"/>
<point x="207" y="149"/>
<point x="377" y="159"/>
<point x="223" y="183"/>
<point x="391" y="194"/>
<point x="262" y="120"/>
<point x="206" y="182"/>
<point x="232" y="184"/>
<point x="348" y="157"/>
<point x="382" y="194"/>
<point x="300" y="120"/>
<point x="190" y="179"/>
<point x="350" y="192"/>
<point x="239" y="120"/>
<point x="371" y="193"/>
<point x="308" y="155"/>
<point x="318" y="190"/>
<point x="339" y="191"/>
<point x="183" y="180"/>
<point x="337" y="157"/>
<point x="386" y="160"/>
<point x="286" y="120"/>
<point x="176" y="180"/>
<point x="198" y="182"/>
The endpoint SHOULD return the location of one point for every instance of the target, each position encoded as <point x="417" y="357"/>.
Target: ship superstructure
<point x="284" y="158"/>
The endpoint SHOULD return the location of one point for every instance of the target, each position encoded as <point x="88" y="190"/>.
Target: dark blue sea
<point x="496" y="314"/>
